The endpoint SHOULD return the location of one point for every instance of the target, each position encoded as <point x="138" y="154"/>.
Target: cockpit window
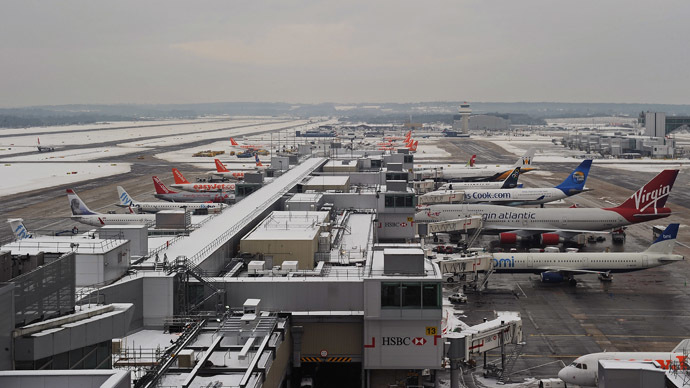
<point x="579" y="365"/>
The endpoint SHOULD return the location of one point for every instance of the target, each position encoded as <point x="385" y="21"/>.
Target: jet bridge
<point x="505" y="329"/>
<point x="463" y="225"/>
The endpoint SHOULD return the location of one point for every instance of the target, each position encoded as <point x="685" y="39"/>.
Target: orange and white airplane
<point x="223" y="172"/>
<point x="393" y="138"/>
<point x="410" y="144"/>
<point x="250" y="147"/>
<point x="183" y="184"/>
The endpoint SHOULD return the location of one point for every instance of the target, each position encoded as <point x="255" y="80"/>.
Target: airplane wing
<point x="526" y="232"/>
<point x="574" y="271"/>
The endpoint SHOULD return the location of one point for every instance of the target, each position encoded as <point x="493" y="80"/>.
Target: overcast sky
<point x="63" y="52"/>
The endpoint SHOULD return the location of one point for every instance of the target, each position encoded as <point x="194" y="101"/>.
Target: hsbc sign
<point x="403" y="341"/>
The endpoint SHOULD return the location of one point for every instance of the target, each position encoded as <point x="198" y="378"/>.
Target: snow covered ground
<point x="21" y="177"/>
<point x="80" y="155"/>
<point x="548" y="152"/>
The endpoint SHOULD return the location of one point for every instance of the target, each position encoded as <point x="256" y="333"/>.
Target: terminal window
<point x="399" y="200"/>
<point x="410" y="295"/>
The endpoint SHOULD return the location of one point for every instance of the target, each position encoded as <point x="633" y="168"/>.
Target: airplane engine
<point x="509" y="238"/>
<point x="551" y="277"/>
<point x="550" y="239"/>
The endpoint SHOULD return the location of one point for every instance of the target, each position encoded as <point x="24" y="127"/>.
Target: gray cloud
<point x="315" y="51"/>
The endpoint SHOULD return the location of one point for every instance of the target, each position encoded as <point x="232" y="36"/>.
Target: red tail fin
<point x="179" y="178"/>
<point x="414" y="146"/>
<point x="220" y="167"/>
<point x="472" y="160"/>
<point x="160" y="187"/>
<point x="233" y="142"/>
<point x="654" y="194"/>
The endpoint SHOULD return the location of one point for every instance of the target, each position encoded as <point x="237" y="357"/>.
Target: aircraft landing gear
<point x="572" y="282"/>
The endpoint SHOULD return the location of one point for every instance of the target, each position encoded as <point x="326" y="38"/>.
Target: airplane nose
<point x="563" y="374"/>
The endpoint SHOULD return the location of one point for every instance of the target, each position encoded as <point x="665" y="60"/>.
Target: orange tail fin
<point x="179" y="178"/>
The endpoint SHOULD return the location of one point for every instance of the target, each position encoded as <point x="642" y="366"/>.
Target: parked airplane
<point x="573" y="184"/>
<point x="509" y="182"/>
<point x="153" y="207"/>
<point x="249" y="147"/>
<point x="42" y="148"/>
<point x="584" y="371"/>
<point x="183" y="184"/>
<point x="223" y="172"/>
<point x="83" y="214"/>
<point x="458" y="196"/>
<point x="559" y="267"/>
<point x="555" y="224"/>
<point x="18" y="229"/>
<point x="477" y="173"/>
<point x="164" y="193"/>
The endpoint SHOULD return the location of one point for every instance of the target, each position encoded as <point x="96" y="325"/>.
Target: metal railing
<point x="225" y="236"/>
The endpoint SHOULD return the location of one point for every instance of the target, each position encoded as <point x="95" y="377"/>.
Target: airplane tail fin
<point x="233" y="142"/>
<point x="666" y="240"/>
<point x="220" y="167"/>
<point x="125" y="199"/>
<point x="160" y="187"/>
<point x="18" y="229"/>
<point x="575" y="182"/>
<point x="512" y="180"/>
<point x="258" y="162"/>
<point x="78" y="206"/>
<point x="654" y="193"/>
<point x="408" y="136"/>
<point x="179" y="178"/>
<point x="471" y="161"/>
<point x="526" y="159"/>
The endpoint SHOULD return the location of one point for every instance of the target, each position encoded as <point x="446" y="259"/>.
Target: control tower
<point x="461" y="121"/>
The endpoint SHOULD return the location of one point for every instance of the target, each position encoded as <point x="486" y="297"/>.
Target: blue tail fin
<point x="575" y="182"/>
<point x="666" y="240"/>
<point x="512" y="179"/>
<point x="669" y="233"/>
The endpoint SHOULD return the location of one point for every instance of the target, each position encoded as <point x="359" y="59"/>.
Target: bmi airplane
<point x="183" y="184"/>
<point x="83" y="214"/>
<point x="558" y="267"/>
<point x="553" y="224"/>
<point x="152" y="207"/>
<point x="573" y="184"/>
<point x="584" y="371"/>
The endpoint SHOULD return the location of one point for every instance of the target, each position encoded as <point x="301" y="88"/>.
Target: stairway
<point x="510" y="363"/>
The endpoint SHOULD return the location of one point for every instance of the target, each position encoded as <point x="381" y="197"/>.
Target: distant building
<point x="657" y="124"/>
<point x="488" y="122"/>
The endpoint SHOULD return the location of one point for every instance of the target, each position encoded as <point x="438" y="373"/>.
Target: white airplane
<point x="559" y="267"/>
<point x="555" y="224"/>
<point x="83" y="214"/>
<point x="510" y="182"/>
<point x="584" y="371"/>
<point x="152" y="207"/>
<point x="455" y="173"/>
<point x="183" y="184"/>
<point x="18" y="229"/>
<point x="573" y="184"/>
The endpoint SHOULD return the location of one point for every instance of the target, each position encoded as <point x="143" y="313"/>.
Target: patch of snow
<point x="21" y="177"/>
